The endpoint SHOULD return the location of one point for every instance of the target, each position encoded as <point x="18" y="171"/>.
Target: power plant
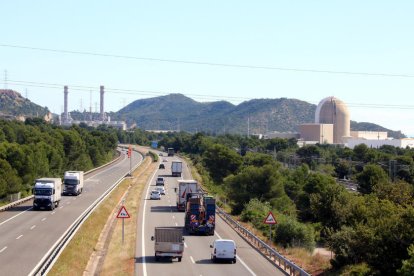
<point x="66" y="119"/>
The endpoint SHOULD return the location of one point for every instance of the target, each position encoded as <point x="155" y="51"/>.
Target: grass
<point x="75" y="257"/>
<point x="120" y="259"/>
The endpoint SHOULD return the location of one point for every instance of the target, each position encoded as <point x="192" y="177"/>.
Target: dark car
<point x="161" y="166"/>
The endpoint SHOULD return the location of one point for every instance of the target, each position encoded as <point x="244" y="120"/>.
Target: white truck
<point x="169" y="242"/>
<point x="185" y="187"/>
<point x="47" y="193"/>
<point x="176" y="168"/>
<point x="73" y="183"/>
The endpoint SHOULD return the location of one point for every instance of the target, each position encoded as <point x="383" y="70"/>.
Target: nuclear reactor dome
<point x="334" y="111"/>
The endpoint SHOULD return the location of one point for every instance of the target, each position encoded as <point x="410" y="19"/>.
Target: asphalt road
<point x="27" y="235"/>
<point x="196" y="258"/>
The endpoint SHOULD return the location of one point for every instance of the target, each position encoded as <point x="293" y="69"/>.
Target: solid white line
<point x="241" y="261"/>
<point x="4" y="248"/>
<point x="19" y="237"/>
<point x="16" y="215"/>
<point x="144" y="265"/>
<point x="43" y="219"/>
<point x="192" y="260"/>
<point x="33" y="226"/>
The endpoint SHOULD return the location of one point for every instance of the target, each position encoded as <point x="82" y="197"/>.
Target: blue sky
<point x="340" y="36"/>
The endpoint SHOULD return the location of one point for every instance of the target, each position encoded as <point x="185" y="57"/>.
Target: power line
<point x="208" y="63"/>
<point x="83" y="88"/>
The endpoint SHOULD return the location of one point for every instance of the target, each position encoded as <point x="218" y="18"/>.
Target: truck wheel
<point x="52" y="207"/>
<point x="234" y="261"/>
<point x="179" y="259"/>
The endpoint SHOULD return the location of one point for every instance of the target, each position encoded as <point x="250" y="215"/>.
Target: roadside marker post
<point x="270" y="220"/>
<point x="123" y="214"/>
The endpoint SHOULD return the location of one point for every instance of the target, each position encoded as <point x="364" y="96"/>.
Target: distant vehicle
<point x="155" y="195"/>
<point x="185" y="187"/>
<point x="176" y="168"/>
<point x="223" y="250"/>
<point x="160" y="154"/>
<point x="73" y="183"/>
<point x="160" y="181"/>
<point x="170" y="151"/>
<point x="160" y="189"/>
<point x="169" y="242"/>
<point x="164" y="160"/>
<point x="162" y="166"/>
<point x="47" y="193"/>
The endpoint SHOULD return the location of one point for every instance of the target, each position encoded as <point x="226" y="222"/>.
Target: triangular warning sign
<point x="270" y="219"/>
<point x="123" y="213"/>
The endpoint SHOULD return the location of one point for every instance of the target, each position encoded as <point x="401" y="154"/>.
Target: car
<point x="161" y="190"/>
<point x="160" y="181"/>
<point x="161" y="166"/>
<point x="155" y="194"/>
<point x="164" y="160"/>
<point x="223" y="249"/>
<point x="160" y="154"/>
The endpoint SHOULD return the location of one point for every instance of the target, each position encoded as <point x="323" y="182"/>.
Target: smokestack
<point x="102" y="103"/>
<point x="65" y="112"/>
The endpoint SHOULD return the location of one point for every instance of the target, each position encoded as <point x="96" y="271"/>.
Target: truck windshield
<point x="71" y="182"/>
<point x="43" y="191"/>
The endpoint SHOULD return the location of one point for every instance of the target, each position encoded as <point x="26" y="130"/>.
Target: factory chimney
<point x="102" y="104"/>
<point x="65" y="112"/>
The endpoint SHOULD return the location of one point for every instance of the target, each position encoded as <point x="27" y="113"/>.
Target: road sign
<point x="270" y="219"/>
<point x="123" y="213"/>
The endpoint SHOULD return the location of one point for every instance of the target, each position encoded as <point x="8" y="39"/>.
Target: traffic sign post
<point x="270" y="220"/>
<point x="123" y="214"/>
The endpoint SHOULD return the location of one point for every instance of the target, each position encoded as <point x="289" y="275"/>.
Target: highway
<point x="27" y="235"/>
<point x="196" y="258"/>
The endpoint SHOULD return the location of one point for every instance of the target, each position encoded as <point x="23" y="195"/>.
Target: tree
<point x="370" y="176"/>
<point x="407" y="268"/>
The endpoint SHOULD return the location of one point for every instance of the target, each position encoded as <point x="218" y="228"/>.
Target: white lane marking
<point x="19" y="237"/>
<point x="68" y="202"/>
<point x="53" y="212"/>
<point x="60" y="207"/>
<point x="43" y="219"/>
<point x="16" y="215"/>
<point x="4" y="248"/>
<point x="241" y="261"/>
<point x="79" y="195"/>
<point x="33" y="226"/>
<point x="192" y="260"/>
<point x="144" y="265"/>
<point x="185" y="245"/>
<point x="173" y="217"/>
<point x="176" y="224"/>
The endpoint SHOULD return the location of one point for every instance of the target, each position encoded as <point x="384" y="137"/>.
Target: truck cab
<point x="47" y="193"/>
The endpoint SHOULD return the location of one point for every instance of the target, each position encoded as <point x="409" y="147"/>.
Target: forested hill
<point x="178" y="112"/>
<point x="12" y="103"/>
<point x="36" y="149"/>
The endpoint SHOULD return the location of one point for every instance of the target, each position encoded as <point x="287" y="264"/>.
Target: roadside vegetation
<point x="36" y="149"/>
<point x="370" y="230"/>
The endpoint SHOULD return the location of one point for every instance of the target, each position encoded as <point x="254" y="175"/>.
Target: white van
<point x="223" y="250"/>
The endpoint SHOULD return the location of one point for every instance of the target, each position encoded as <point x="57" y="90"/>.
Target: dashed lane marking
<point x="4" y="248"/>
<point x="185" y="245"/>
<point x="192" y="260"/>
<point x="53" y="212"/>
<point x="43" y="219"/>
<point x="19" y="237"/>
<point x="176" y="224"/>
<point x="33" y="226"/>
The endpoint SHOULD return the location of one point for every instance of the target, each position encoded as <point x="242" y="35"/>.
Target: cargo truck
<point x="169" y="242"/>
<point x="185" y="187"/>
<point x="47" y="193"/>
<point x="73" y="183"/>
<point x="170" y="151"/>
<point x="200" y="214"/>
<point x="176" y="168"/>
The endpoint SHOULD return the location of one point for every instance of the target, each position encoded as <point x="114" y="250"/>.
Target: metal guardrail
<point x="46" y="263"/>
<point x="20" y="201"/>
<point x="282" y="262"/>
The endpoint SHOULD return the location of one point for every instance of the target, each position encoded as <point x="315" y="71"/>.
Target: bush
<point x="291" y="233"/>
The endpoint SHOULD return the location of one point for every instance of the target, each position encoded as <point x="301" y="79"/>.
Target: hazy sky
<point x="264" y="37"/>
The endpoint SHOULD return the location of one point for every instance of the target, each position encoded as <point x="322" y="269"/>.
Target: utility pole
<point x="248" y="127"/>
<point x="5" y="79"/>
